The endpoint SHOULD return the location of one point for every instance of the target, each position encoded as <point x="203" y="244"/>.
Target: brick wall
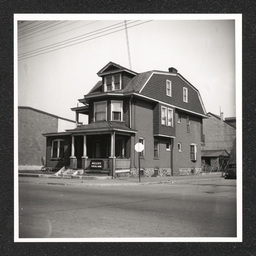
<point x="31" y="142"/>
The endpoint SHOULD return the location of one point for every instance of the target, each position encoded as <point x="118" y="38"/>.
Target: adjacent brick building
<point x="219" y="146"/>
<point x="32" y="123"/>
<point x="159" y="109"/>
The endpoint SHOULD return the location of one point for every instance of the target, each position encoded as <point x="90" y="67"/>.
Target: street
<point x="196" y="209"/>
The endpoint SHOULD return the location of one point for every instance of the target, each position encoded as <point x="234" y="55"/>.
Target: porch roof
<point x="214" y="153"/>
<point x="102" y="126"/>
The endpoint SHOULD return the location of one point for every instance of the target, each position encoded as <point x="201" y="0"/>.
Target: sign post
<point x="139" y="147"/>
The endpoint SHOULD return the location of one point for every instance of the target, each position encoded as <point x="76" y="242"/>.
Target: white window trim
<point x="112" y="82"/>
<point x="111" y="111"/>
<point x="169" y="146"/>
<point x="179" y="148"/>
<point x="144" y="150"/>
<point x="168" y="124"/>
<point x="58" y="148"/>
<point x="185" y="93"/>
<point x="168" y="82"/>
<point x="165" y="110"/>
<point x="195" y="150"/>
<point x="95" y="103"/>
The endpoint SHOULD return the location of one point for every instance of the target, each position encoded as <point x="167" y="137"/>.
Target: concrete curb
<point x="82" y="183"/>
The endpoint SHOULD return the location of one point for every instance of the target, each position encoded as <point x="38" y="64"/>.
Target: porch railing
<point x="123" y="163"/>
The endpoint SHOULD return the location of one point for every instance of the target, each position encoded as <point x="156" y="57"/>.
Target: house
<point x="31" y="143"/>
<point x="159" y="109"/>
<point x="219" y="147"/>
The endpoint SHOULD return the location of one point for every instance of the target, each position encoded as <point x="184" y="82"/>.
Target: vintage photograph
<point x="128" y="127"/>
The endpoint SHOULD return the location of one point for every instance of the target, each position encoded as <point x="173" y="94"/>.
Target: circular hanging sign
<point x="139" y="147"/>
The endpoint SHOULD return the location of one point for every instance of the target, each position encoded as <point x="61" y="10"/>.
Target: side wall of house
<point x="142" y="113"/>
<point x="181" y="160"/>
<point x="31" y="142"/>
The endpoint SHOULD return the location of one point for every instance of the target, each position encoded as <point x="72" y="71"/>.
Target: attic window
<point x="112" y="82"/>
<point x="185" y="94"/>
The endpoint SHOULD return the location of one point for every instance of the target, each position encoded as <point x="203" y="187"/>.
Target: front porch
<point x="101" y="152"/>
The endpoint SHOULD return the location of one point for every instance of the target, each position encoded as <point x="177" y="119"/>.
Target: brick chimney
<point x="173" y="70"/>
<point x="221" y="116"/>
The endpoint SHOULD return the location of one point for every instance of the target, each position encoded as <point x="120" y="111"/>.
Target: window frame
<point x="165" y="112"/>
<point x="111" y="110"/>
<point x="113" y="84"/>
<point x="143" y="152"/>
<point x="188" y="124"/>
<point x="168" y="148"/>
<point x="193" y="153"/>
<point x="179" y="118"/>
<point x="171" y="123"/>
<point x="165" y="120"/>
<point x="156" y="149"/>
<point x="169" y="84"/>
<point x="179" y="147"/>
<point x="94" y="110"/>
<point x="58" y="156"/>
<point x="185" y="94"/>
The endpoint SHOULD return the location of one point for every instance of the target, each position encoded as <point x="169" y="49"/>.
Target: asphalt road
<point x="202" y="209"/>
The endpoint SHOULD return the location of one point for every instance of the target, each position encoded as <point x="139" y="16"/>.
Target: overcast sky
<point x="58" y="59"/>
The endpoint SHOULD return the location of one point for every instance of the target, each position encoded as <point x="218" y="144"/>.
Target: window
<point x="168" y="146"/>
<point x="188" y="124"/>
<point x="100" y="111"/>
<point x="168" y="88"/>
<point x="57" y="150"/>
<point x="170" y="117"/>
<point x="193" y="152"/>
<point x="142" y="141"/>
<point x="179" y="118"/>
<point x="120" y="148"/>
<point x="112" y="82"/>
<point x="156" y="149"/>
<point x="166" y="116"/>
<point x="163" y="115"/>
<point x="179" y="147"/>
<point x="116" y="110"/>
<point x="185" y="94"/>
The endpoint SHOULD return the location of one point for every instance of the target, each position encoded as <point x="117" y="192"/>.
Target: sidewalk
<point x="108" y="181"/>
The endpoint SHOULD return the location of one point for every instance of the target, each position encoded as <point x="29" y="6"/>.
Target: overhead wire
<point x="33" y="27"/>
<point x="21" y="46"/>
<point x="76" y="38"/>
<point x="38" y="31"/>
<point x="69" y="43"/>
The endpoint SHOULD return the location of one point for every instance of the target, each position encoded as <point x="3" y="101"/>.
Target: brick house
<point x="31" y="143"/>
<point x="158" y="109"/>
<point x="219" y="146"/>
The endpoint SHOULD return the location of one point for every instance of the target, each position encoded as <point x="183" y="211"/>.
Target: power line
<point x="38" y="31"/>
<point x="38" y="54"/>
<point x="58" y="33"/>
<point x="76" y="38"/>
<point x="35" y="26"/>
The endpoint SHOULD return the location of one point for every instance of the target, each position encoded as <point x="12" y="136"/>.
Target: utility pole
<point x="128" y="48"/>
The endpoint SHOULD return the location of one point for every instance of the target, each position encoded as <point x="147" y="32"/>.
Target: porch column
<point x="73" y="160"/>
<point x="85" y="162"/>
<point x="112" y="160"/>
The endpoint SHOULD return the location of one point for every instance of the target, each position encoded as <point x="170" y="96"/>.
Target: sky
<point x="58" y="57"/>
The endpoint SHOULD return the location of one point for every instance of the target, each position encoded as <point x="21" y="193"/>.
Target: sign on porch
<point x="139" y="147"/>
<point x="96" y="164"/>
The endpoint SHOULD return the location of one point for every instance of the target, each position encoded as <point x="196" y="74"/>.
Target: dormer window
<point x="112" y="82"/>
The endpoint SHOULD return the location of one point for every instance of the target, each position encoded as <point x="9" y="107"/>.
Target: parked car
<point x="230" y="173"/>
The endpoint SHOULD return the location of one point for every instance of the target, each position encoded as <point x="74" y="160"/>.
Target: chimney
<point x="221" y="116"/>
<point x="173" y="70"/>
